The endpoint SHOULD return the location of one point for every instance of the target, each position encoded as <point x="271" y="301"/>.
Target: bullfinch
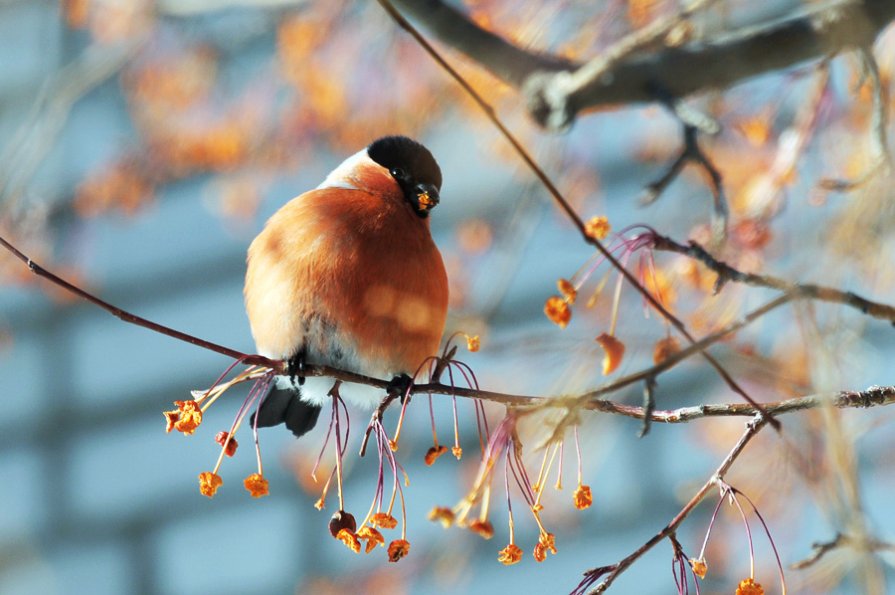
<point x="347" y="275"/>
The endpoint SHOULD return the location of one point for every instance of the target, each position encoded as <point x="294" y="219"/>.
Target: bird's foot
<point x="399" y="386"/>
<point x="295" y="366"/>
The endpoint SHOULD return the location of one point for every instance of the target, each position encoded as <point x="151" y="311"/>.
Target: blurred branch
<point x="506" y="61"/>
<point x="562" y="202"/>
<point x="22" y="155"/>
<point x="557" y="91"/>
<point x="821" y="549"/>
<point x="187" y="8"/>
<point x="880" y="157"/>
<point x="796" y="290"/>
<point x="691" y="152"/>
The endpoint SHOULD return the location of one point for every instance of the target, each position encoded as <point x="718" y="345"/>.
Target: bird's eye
<point x="398" y="173"/>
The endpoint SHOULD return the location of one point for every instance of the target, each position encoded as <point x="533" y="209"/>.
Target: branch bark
<point x="812" y="291"/>
<point x="630" y="71"/>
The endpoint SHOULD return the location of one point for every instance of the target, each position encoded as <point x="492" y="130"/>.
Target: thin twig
<point x="649" y="404"/>
<point x="874" y="396"/>
<point x="880" y="157"/>
<point x="820" y="550"/>
<point x="691" y="152"/>
<point x="812" y="291"/>
<point x="22" y="155"/>
<point x="847" y="399"/>
<point x="752" y="428"/>
<point x="257" y="360"/>
<point x="842" y="540"/>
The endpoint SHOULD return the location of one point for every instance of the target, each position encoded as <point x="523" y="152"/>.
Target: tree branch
<point x="873" y="396"/>
<point x="796" y="290"/>
<point x="880" y="158"/>
<point x="22" y="155"/>
<point x="556" y="91"/>
<point x="138" y="320"/>
<point x="752" y="428"/>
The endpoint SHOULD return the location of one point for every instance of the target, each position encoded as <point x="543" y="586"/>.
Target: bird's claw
<point x="295" y="366"/>
<point x="399" y="386"/>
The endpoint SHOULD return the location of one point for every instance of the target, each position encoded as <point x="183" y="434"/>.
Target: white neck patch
<point x="343" y="176"/>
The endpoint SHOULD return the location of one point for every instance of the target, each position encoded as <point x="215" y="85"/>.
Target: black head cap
<point x="413" y="167"/>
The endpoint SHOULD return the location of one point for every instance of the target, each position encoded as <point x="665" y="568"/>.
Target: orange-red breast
<point x="347" y="275"/>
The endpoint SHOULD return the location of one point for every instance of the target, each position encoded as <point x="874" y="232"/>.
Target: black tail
<point x="285" y="406"/>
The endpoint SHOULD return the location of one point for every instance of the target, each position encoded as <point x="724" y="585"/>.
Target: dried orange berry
<point x="540" y="553"/>
<point x="699" y="567"/>
<point x="548" y="540"/>
<point x="457" y="452"/>
<point x="664" y="349"/>
<point x="614" y="352"/>
<point x="342" y="520"/>
<point x="171" y="418"/>
<point x="567" y="290"/>
<point x="393" y="445"/>
<point x="209" y="483"/>
<point x="372" y="536"/>
<point x="442" y="514"/>
<point x="473" y="343"/>
<point x="558" y="311"/>
<point x="398" y="549"/>
<point x="748" y="586"/>
<point x="509" y="555"/>
<point x="349" y="539"/>
<point x="484" y="529"/>
<point x="186" y="418"/>
<point x="230" y="446"/>
<point x="383" y="520"/>
<point x="582" y="497"/>
<point x="597" y="227"/>
<point x="433" y="453"/>
<point x="256" y="485"/>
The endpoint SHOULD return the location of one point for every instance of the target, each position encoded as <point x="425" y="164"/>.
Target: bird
<point x="348" y="275"/>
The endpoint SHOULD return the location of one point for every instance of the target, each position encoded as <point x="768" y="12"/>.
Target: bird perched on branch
<point x="347" y="275"/>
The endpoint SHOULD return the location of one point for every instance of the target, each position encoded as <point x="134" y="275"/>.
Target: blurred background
<point x="142" y="146"/>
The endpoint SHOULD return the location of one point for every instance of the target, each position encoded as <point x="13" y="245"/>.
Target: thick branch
<point x="627" y="71"/>
<point x="506" y="61"/>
